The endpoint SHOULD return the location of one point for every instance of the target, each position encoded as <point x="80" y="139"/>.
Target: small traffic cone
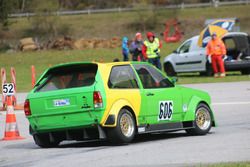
<point x="11" y="129"/>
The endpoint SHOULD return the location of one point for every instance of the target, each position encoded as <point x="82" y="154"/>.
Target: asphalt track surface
<point x="229" y="142"/>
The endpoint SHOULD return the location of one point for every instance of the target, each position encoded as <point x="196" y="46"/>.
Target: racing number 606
<point x="165" y="110"/>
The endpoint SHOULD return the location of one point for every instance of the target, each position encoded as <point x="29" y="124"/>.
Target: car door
<point x="196" y="59"/>
<point x="182" y="58"/>
<point x="190" y="57"/>
<point x="161" y="101"/>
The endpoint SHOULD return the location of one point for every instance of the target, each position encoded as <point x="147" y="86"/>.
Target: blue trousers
<point x="125" y="56"/>
<point x="156" y="62"/>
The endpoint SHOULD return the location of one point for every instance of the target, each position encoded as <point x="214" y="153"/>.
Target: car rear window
<point x="71" y="76"/>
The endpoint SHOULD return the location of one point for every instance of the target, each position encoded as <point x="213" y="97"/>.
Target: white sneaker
<point x="216" y="75"/>
<point x="222" y="75"/>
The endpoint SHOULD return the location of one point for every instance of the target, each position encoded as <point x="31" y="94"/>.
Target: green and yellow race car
<point x="114" y="101"/>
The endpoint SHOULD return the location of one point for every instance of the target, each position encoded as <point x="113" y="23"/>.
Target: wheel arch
<point x="192" y="106"/>
<point x="210" y="110"/>
<point x="114" y="111"/>
<point x="131" y="111"/>
<point x="168" y="62"/>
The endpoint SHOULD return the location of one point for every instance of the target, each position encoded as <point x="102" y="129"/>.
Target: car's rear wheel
<point x="125" y="129"/>
<point x="169" y="69"/>
<point x="245" y="72"/>
<point x="202" y="122"/>
<point x="43" y="140"/>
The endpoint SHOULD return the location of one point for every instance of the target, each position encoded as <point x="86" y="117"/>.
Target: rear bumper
<point x="64" y="121"/>
<point x="237" y="65"/>
<point x="79" y="134"/>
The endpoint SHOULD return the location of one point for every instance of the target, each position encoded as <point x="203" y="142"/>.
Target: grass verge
<point x="22" y="62"/>
<point x="231" y="164"/>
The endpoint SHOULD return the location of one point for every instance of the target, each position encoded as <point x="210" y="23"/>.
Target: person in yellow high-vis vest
<point x="151" y="50"/>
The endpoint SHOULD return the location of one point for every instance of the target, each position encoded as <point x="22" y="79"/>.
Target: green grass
<point x="109" y="25"/>
<point x="22" y="62"/>
<point x="231" y="164"/>
<point x="196" y="78"/>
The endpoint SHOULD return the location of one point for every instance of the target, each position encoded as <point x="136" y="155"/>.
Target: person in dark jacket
<point x="136" y="48"/>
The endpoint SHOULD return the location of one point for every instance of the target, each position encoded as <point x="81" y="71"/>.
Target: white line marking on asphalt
<point x="231" y="103"/>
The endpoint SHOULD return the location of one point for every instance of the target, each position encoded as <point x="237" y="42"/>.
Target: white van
<point x="189" y="57"/>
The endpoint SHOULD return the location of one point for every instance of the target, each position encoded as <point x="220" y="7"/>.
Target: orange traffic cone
<point x="11" y="129"/>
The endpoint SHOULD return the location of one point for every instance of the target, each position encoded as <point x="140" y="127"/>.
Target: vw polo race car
<point x="114" y="101"/>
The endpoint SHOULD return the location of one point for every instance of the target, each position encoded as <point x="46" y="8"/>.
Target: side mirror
<point x="174" y="80"/>
<point x="175" y="51"/>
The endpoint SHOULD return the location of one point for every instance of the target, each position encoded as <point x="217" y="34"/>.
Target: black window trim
<point x="134" y="73"/>
<point x="165" y="77"/>
<point x="48" y="76"/>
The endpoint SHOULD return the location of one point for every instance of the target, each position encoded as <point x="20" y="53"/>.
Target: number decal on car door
<point x="165" y="110"/>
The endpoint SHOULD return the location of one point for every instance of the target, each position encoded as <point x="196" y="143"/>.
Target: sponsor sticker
<point x="61" y="102"/>
<point x="185" y="107"/>
<point x="141" y="129"/>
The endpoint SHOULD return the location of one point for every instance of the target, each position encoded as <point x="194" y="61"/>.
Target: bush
<point x="4" y="46"/>
<point x="47" y="23"/>
<point x="145" y="19"/>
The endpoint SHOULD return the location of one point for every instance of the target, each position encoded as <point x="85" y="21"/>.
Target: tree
<point x="46" y="23"/>
<point x="5" y="9"/>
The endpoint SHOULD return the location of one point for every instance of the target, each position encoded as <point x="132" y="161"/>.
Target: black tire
<point x="118" y="134"/>
<point x="245" y="72"/>
<point x="201" y="127"/>
<point x="169" y="69"/>
<point x="209" y="70"/>
<point x="43" y="140"/>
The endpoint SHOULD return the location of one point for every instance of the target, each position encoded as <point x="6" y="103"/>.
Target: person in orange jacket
<point x="151" y="50"/>
<point x="216" y="50"/>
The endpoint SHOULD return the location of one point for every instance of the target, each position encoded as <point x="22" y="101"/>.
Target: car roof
<point x="103" y="64"/>
<point x="230" y="34"/>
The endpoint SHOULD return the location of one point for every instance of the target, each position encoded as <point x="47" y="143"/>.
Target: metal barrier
<point x="112" y="10"/>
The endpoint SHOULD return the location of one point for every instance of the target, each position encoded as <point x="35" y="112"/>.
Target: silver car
<point x="189" y="57"/>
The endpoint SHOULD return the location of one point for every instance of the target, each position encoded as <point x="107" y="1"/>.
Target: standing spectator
<point x="216" y="50"/>
<point x="136" y="48"/>
<point x="151" y="50"/>
<point x="125" y="50"/>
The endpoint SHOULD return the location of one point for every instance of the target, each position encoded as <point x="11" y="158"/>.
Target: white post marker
<point x="8" y="89"/>
<point x="3" y="78"/>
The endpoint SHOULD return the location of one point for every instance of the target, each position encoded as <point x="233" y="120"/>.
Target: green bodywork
<point x="185" y="102"/>
<point x="80" y="113"/>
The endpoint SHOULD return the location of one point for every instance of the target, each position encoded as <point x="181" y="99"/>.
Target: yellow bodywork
<point x="118" y="98"/>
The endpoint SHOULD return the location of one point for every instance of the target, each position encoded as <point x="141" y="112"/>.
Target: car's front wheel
<point x="245" y="72"/>
<point x="125" y="129"/>
<point x="202" y="122"/>
<point x="169" y="69"/>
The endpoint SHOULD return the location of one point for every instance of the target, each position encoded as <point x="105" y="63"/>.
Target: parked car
<point x="189" y="57"/>
<point x="114" y="101"/>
